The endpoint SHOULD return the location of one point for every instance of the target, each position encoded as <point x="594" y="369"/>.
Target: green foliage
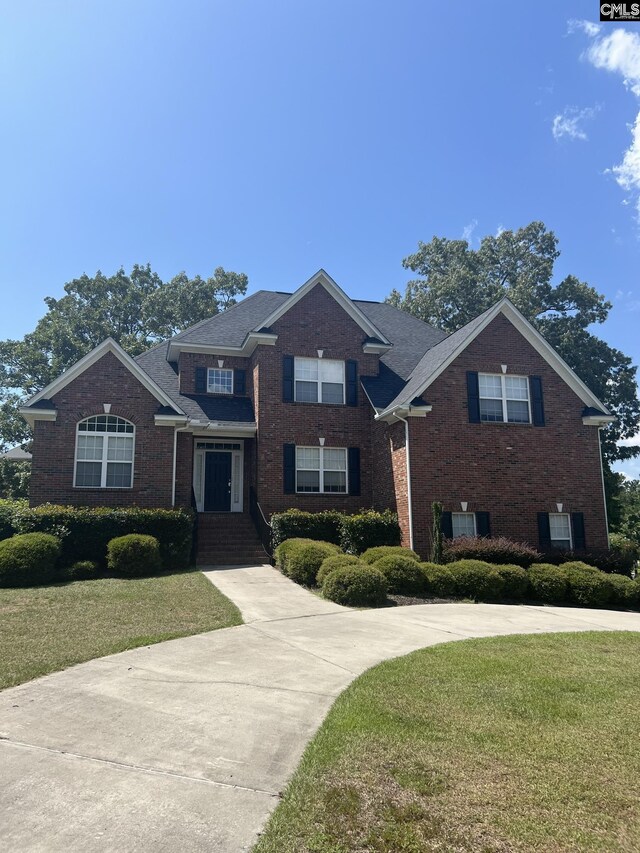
<point x="369" y="529"/>
<point x="330" y="564"/>
<point x="134" y="555"/>
<point x="436" y="532"/>
<point x="372" y="555"/>
<point x="85" y="531"/>
<point x="286" y="548"/>
<point x="498" y="549"/>
<point x="295" y="524"/>
<point x="624" y="591"/>
<point x="607" y="561"/>
<point x="356" y="586"/>
<point x="628" y="549"/>
<point x="579" y="565"/>
<point x="477" y="580"/>
<point x="82" y="570"/>
<point x="587" y="587"/>
<point x="548" y="582"/>
<point x="300" y="559"/>
<point x="404" y="575"/>
<point x="14" y="478"/>
<point x="7" y="510"/>
<point x="29" y="559"/>
<point x="515" y="581"/>
<point x="439" y="580"/>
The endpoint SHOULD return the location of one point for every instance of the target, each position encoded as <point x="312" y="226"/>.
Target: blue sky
<point x="276" y="138"/>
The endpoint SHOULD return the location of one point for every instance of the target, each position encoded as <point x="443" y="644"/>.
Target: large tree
<point x="136" y="309"/>
<point x="458" y="282"/>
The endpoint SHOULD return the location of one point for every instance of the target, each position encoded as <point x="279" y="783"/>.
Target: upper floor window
<point x="321" y="469"/>
<point x="560" y="530"/>
<point x="463" y="524"/>
<point x="319" y="380"/>
<point x="104" y="453"/>
<point x="219" y="381"/>
<point x="504" y="398"/>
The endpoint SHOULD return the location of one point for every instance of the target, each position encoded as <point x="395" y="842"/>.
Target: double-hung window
<point x="104" y="453"/>
<point x="219" y="381"/>
<point x="504" y="399"/>
<point x="560" y="530"/>
<point x="319" y="380"/>
<point x="463" y="524"/>
<point x="321" y="469"/>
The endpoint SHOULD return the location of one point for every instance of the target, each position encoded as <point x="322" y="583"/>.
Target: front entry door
<point x="217" y="483"/>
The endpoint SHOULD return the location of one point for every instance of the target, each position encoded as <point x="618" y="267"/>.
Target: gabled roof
<point x="439" y="357"/>
<point x="16" y="454"/>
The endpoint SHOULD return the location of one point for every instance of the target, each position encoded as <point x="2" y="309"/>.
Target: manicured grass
<point x="509" y="744"/>
<point x="48" y="628"/>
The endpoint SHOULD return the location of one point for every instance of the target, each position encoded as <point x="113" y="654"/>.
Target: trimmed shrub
<point x="369" y="529"/>
<point x="295" y="524"/>
<point x="28" y="559"/>
<point x="624" y="591"/>
<point x="303" y="559"/>
<point x="134" y="555"/>
<point x="404" y="575"/>
<point x="338" y="561"/>
<point x="439" y="580"/>
<point x="356" y="586"/>
<point x="579" y="566"/>
<point x="83" y="570"/>
<point x="86" y="531"/>
<point x="589" y="588"/>
<point x="611" y="562"/>
<point x="498" y="550"/>
<point x="7" y="511"/>
<point x="284" y="549"/>
<point x="372" y="555"/>
<point x="515" y="581"/>
<point x="476" y="579"/>
<point x="548" y="582"/>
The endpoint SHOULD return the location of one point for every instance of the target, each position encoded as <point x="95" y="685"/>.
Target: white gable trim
<point x="108" y="345"/>
<point x="533" y="336"/>
<point x="333" y="289"/>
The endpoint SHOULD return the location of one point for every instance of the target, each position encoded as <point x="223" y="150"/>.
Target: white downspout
<point x="604" y="491"/>
<point x="408" y="458"/>
<point x="176" y="430"/>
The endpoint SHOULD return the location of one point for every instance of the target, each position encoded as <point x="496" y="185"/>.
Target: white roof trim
<point x="333" y="289"/>
<point x="108" y="345"/>
<point x="597" y="420"/>
<point x="33" y="415"/>
<point x="250" y="343"/>
<point x="533" y="336"/>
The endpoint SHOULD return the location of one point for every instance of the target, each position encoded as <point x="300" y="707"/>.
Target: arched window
<point x="104" y="453"/>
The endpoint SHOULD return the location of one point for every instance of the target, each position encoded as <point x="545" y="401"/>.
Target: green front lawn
<point x="47" y="628"/>
<point x="509" y="744"/>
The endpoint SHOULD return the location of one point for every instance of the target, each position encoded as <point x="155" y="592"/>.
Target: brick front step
<point x="228" y="539"/>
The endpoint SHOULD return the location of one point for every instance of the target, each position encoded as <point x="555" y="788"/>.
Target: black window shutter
<point x="353" y="464"/>
<point x="201" y="380"/>
<point x="446" y="525"/>
<point x="289" y="468"/>
<point x="483" y="524"/>
<point x="537" y="403"/>
<point x="577" y="528"/>
<point x="239" y="381"/>
<point x="473" y="397"/>
<point x="352" y="383"/>
<point x="287" y="378"/>
<point x="544" y="531"/>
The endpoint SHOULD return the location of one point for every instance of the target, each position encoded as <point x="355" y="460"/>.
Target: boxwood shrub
<point x="490" y="550"/>
<point x="356" y="586"/>
<point x="548" y="582"/>
<point x="295" y="524"/>
<point x="611" y="562"/>
<point x="515" y="581"/>
<point x="439" y="580"/>
<point x="83" y="570"/>
<point x="330" y="564"/>
<point x="624" y="591"/>
<point x="477" y="580"/>
<point x="300" y="559"/>
<point x="372" y="555"/>
<point x="588" y="587"/>
<point x="85" y="531"/>
<point x="404" y="575"/>
<point x="134" y="555"/>
<point x="29" y="559"/>
<point x="369" y="529"/>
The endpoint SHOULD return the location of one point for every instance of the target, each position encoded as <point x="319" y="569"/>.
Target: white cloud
<point x="634" y="441"/>
<point x="569" y="122"/>
<point x="587" y="27"/>
<point x="467" y="231"/>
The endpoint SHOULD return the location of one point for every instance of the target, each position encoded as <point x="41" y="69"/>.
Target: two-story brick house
<point x="316" y="401"/>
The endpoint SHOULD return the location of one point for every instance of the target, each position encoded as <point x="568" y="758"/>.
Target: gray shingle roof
<point x="231" y="327"/>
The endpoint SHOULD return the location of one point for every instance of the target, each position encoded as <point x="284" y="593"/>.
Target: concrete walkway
<point x="186" y="745"/>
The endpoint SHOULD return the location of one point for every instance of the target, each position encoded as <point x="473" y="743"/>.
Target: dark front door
<point x="217" y="482"/>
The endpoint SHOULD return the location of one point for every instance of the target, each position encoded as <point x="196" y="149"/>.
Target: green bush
<point x="372" y="555"/>
<point x="624" y="548"/>
<point x="404" y="575"/>
<point x="295" y="524"/>
<point x="86" y="531"/>
<point x="548" y="582"/>
<point x="611" y="562"/>
<point x="134" y="555"/>
<point x="300" y="559"/>
<point x="29" y="559"/>
<point x="83" y="570"/>
<point x="369" y="529"/>
<point x="284" y="549"/>
<point x="7" y="511"/>
<point x="515" y="581"/>
<point x="578" y="565"/>
<point x="476" y="579"/>
<point x="338" y="561"/>
<point x="624" y="591"/>
<point x="498" y="550"/>
<point x="439" y="580"/>
<point x="588" y="587"/>
<point x="356" y="586"/>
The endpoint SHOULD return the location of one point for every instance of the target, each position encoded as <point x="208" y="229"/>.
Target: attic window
<point x="219" y="381"/>
<point x="504" y="399"/>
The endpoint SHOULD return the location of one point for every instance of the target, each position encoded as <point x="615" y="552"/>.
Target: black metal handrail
<point x="263" y="527"/>
<point x="194" y="506"/>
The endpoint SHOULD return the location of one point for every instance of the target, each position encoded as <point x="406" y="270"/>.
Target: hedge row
<point x="353" y="533"/>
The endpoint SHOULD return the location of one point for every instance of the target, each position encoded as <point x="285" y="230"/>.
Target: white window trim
<point x="220" y="370"/>
<point x="475" y="524"/>
<point x="104" y="460"/>
<point x="551" y="539"/>
<point x="321" y="470"/>
<point x="319" y="380"/>
<point x="503" y="386"/>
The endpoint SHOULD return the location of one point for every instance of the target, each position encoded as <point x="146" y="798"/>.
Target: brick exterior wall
<point x="107" y="381"/>
<point x="190" y="360"/>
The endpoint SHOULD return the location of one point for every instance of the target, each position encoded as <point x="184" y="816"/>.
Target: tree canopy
<point x="458" y="282"/>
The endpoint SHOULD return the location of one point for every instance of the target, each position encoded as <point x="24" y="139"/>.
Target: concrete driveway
<point x="186" y="745"/>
